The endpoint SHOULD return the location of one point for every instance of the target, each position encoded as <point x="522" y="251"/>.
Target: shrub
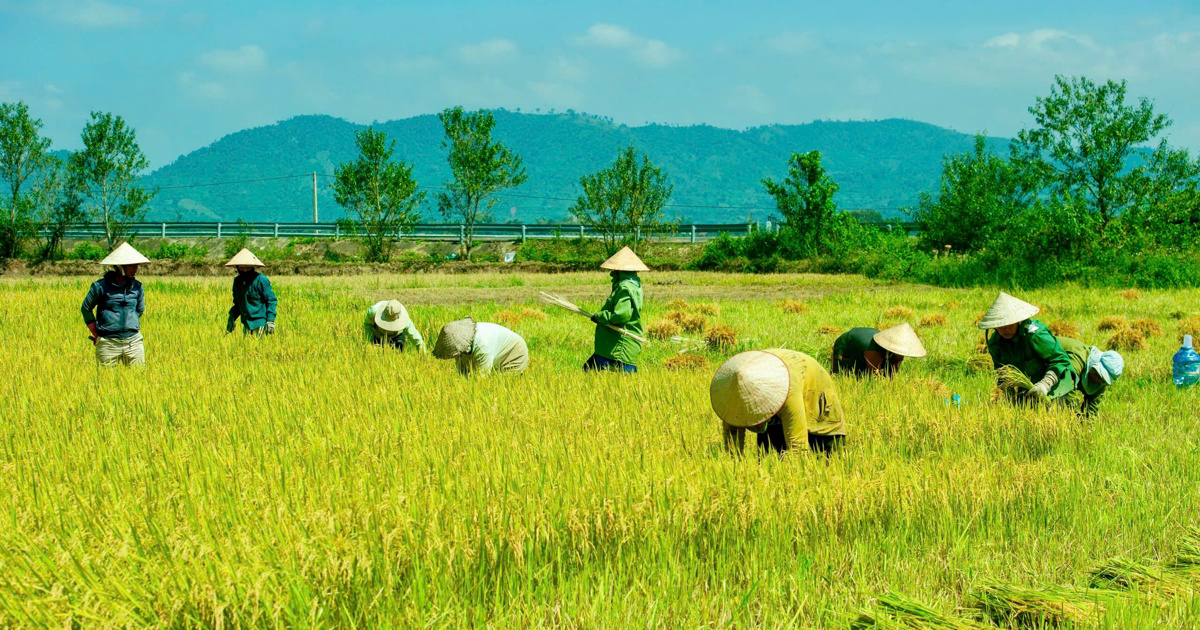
<point x="693" y="323"/>
<point x="1148" y="327"/>
<point x="686" y="362"/>
<point x="902" y="312"/>
<point x="1112" y="322"/>
<point x="1064" y="328"/>
<point x="933" y="319"/>
<point x="1126" y="339"/>
<point x="721" y="337"/>
<point x="88" y="251"/>
<point x="662" y="329"/>
<point x="793" y="306"/>
<point x="236" y="244"/>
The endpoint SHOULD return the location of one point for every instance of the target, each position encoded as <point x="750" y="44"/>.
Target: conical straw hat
<point x="624" y="260"/>
<point x="245" y="258"/>
<point x="901" y="340"/>
<point x="124" y="254"/>
<point x="393" y="317"/>
<point x="455" y="338"/>
<point x="1007" y="310"/>
<point x="749" y="388"/>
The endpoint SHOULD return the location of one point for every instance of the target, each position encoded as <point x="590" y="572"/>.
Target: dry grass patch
<point x="678" y="304"/>
<point x="1112" y="322"/>
<point x="902" y="312"/>
<point x="686" y="362"/>
<point x="793" y="306"/>
<point x="675" y="316"/>
<point x="933" y="319"/>
<point x="1130" y="294"/>
<point x="980" y="363"/>
<point x="1189" y="326"/>
<point x="1126" y="339"/>
<point x="721" y="337"/>
<point x="662" y="329"/>
<point x="693" y="323"/>
<point x="1064" y="328"/>
<point x="826" y="329"/>
<point x="1148" y="327"/>
<point x="708" y="310"/>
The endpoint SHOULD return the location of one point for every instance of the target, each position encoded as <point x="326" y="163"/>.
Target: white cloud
<point x="1007" y="40"/>
<point x="749" y="98"/>
<point x="1039" y="40"/>
<point x="557" y="94"/>
<point x="198" y="88"/>
<point x="650" y="52"/>
<point x="490" y="51"/>
<point x="402" y="65"/>
<point x="247" y="59"/>
<point x="793" y="43"/>
<point x="564" y="70"/>
<point x="94" y="14"/>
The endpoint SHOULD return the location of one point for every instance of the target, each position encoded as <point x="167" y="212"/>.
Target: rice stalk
<point x="1126" y="339"/>
<point x="1112" y="322"/>
<point x="1148" y="327"/>
<point x="1064" y="328"/>
<point x="826" y="329"/>
<point x="708" y="309"/>
<point x="721" y="337"/>
<point x="1189" y="326"/>
<point x="793" y="306"/>
<point x="1133" y="575"/>
<point x="933" y="319"/>
<point x="693" y="323"/>
<point x="893" y="611"/>
<point x="900" y="312"/>
<point x="1049" y="607"/>
<point x="678" y="304"/>
<point x="1130" y="294"/>
<point x="686" y="363"/>
<point x="662" y="329"/>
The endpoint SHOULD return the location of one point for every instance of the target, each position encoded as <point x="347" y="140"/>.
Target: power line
<point x="244" y="181"/>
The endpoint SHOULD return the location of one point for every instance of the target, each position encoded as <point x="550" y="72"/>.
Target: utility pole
<point x="315" y="219"/>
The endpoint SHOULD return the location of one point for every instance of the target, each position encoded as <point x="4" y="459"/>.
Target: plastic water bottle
<point x="1187" y="365"/>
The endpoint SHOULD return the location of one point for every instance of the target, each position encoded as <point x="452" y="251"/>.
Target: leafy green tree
<point x="22" y="155"/>
<point x="380" y="194"/>
<point x="623" y="199"/>
<point x="805" y="200"/>
<point x="978" y="193"/>
<point x="481" y="168"/>
<point x="106" y="172"/>
<point x="58" y="205"/>
<point x="1086" y="140"/>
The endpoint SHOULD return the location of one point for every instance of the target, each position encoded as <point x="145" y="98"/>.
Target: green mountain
<point x="880" y="165"/>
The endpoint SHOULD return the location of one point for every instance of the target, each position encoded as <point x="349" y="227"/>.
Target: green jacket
<point x="1092" y="392"/>
<point x="1034" y="350"/>
<point x="624" y="310"/>
<point x="253" y="300"/>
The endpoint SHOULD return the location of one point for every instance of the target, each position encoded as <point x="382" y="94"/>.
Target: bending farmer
<point x="253" y="300"/>
<point x="612" y="350"/>
<point x="481" y="347"/>
<point x="1027" y="344"/>
<point x="1097" y="370"/>
<point x="388" y="323"/>
<point x="783" y="396"/>
<point x="869" y="352"/>
<point x="118" y="302"/>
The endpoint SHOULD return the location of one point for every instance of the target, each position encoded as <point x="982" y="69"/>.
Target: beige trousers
<point x="128" y="351"/>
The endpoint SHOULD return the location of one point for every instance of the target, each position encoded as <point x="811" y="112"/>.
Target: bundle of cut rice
<point x="897" y="612"/>
<point x="678" y="304"/>
<point x="899" y="312"/>
<point x="1052" y="607"/>
<point x="662" y="329"/>
<point x="980" y="363"/>
<point x="693" y="323"/>
<point x="686" y="362"/>
<point x="1147" y="327"/>
<point x="1112" y="322"/>
<point x="1064" y="328"/>
<point x="721" y="337"/>
<point x="710" y="310"/>
<point x="826" y="329"/>
<point x="933" y="319"/>
<point x="1132" y="575"/>
<point x="1130" y="294"/>
<point x="793" y="306"/>
<point x="1126" y="339"/>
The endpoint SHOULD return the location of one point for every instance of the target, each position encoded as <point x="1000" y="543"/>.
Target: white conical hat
<point x="455" y="339"/>
<point x="393" y="317"/>
<point x="124" y="254"/>
<point x="624" y="260"/>
<point x="1007" y="310"/>
<point x="749" y="388"/>
<point x="901" y="340"/>
<point x="245" y="258"/>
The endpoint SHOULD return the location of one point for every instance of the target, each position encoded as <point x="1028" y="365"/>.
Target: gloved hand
<point x="95" y="336"/>
<point x="229" y="326"/>
<point x="595" y="320"/>
<point x="270" y="328"/>
<point x="1042" y="388"/>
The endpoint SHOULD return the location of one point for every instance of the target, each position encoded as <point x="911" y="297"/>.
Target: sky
<point x="185" y="73"/>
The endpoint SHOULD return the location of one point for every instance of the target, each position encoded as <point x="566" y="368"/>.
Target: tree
<point x="624" y="198"/>
<point x="105" y="172"/>
<point x="22" y="155"/>
<point x="481" y="167"/>
<point x="381" y="194"/>
<point x="979" y="191"/>
<point x="1085" y="143"/>
<point x="58" y="205"/>
<point x="805" y="199"/>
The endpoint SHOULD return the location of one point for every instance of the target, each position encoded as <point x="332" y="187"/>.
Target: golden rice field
<point x="310" y="480"/>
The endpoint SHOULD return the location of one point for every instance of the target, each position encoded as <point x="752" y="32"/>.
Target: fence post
<point x="164" y="229"/>
<point x="749" y="229"/>
<point x="337" y="231"/>
<point x="276" y="230"/>
<point x="218" y="229"/>
<point x="693" y="233"/>
<point x="580" y="230"/>
<point x="522" y="232"/>
<point x="639" y="233"/>
<point x="462" y="234"/>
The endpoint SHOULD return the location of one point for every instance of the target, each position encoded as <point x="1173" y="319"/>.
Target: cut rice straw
<point x="1053" y="607"/>
<point x="1133" y="575"/>
<point x="563" y="303"/>
<point x="897" y="612"/>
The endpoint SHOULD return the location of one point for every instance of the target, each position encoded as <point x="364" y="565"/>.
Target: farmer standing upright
<point x="113" y="307"/>
<point x="253" y="299"/>
<point x="623" y="309"/>
<point x="1028" y="345"/>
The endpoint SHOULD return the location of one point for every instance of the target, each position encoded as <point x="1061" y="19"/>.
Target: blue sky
<point x="184" y="73"/>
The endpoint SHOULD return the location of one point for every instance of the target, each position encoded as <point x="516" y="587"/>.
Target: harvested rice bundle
<point x="902" y="312"/>
<point x="1064" y="328"/>
<point x="710" y="309"/>
<point x="721" y="337"/>
<point x="686" y="362"/>
<point x="693" y="323"/>
<point x="533" y="313"/>
<point x="1188" y="556"/>
<point x="1112" y="322"/>
<point x="675" y="316"/>
<point x="1130" y="575"/>
<point x="1011" y="385"/>
<point x="933" y="319"/>
<point x="952" y="305"/>
<point x="1051" y="607"/>
<point x="662" y="329"/>
<point x="1130" y="294"/>
<point x="980" y="363"/>
<point x="508" y="318"/>
<point x="678" y="304"/>
<point x="935" y="387"/>
<point x="1126" y="339"/>
<point x="826" y="329"/>
<point x="894" y="611"/>
<point x="1189" y="326"/>
<point x="1148" y="327"/>
<point x="793" y="306"/>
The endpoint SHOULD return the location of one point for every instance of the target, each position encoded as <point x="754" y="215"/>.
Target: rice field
<point x="312" y="480"/>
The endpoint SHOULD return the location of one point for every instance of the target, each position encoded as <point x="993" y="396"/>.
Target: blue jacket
<point x="253" y="300"/>
<point x="117" y="307"/>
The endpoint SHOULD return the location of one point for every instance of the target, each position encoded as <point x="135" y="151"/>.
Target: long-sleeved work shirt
<point x="812" y="405"/>
<point x="1092" y="392"/>
<point x="253" y="300"/>
<point x="118" y="306"/>
<point x="623" y="309"/>
<point x="1034" y="350"/>
<point x="494" y="348"/>
<point x="375" y="333"/>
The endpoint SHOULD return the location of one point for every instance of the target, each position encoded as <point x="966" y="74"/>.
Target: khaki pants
<point x="128" y="351"/>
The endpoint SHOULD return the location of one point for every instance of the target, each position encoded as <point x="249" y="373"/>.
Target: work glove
<point x="94" y="336"/>
<point x="1042" y="388"/>
<point x="229" y="326"/>
<point x="270" y="328"/>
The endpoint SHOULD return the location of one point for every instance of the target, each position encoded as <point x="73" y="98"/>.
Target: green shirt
<point x="1092" y="392"/>
<point x="1034" y="350"/>
<point x="373" y="332"/>
<point x="623" y="310"/>
<point x="253" y="300"/>
<point x="849" y="352"/>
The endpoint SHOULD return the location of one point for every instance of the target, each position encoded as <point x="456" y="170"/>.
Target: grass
<point x="1064" y="328"/>
<point x="312" y="480"/>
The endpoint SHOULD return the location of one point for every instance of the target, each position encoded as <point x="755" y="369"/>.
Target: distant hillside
<point x="881" y="165"/>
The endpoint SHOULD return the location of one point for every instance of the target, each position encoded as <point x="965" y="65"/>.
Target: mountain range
<point x="264" y="173"/>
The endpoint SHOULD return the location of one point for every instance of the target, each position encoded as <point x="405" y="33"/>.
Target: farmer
<point x="1097" y="370"/>
<point x="388" y="323"/>
<point x="869" y="352"/>
<point x="783" y="396"/>
<point x="253" y="299"/>
<point x="118" y="303"/>
<point x="623" y="309"/>
<point x="481" y="347"/>
<point x="1029" y="346"/>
